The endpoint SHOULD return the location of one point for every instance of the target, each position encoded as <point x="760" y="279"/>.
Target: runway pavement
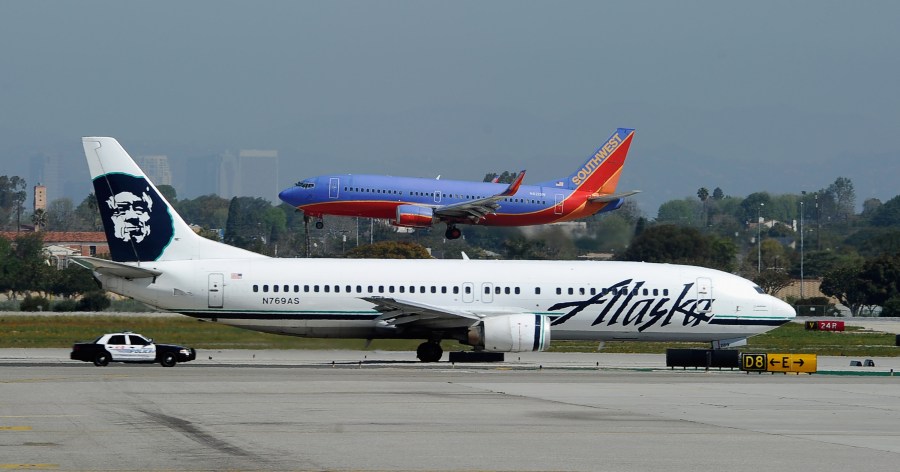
<point x="291" y="410"/>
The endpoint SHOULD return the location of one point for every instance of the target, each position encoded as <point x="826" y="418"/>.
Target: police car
<point x="130" y="347"/>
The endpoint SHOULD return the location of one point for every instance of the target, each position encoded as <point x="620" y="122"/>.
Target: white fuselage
<point x="324" y="297"/>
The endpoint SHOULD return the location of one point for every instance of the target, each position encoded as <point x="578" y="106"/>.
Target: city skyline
<point x="721" y="94"/>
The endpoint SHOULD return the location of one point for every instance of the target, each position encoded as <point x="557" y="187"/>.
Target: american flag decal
<point x="235" y="275"/>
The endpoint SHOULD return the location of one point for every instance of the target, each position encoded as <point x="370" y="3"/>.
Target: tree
<point x="679" y="212"/>
<point x="888" y="214"/>
<point x="880" y="279"/>
<point x="843" y="283"/>
<point x="39" y="219"/>
<point x="87" y="214"/>
<point x="718" y="194"/>
<point x="703" y="195"/>
<point x="12" y="199"/>
<point x="844" y="197"/>
<point x="169" y="193"/>
<point x="680" y="245"/>
<point x="772" y="281"/>
<point x="389" y="250"/>
<point x="60" y="215"/>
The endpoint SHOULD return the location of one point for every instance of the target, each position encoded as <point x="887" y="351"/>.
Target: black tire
<point x="101" y="359"/>
<point x="320" y="225"/>
<point x="429" y="352"/>
<point x="168" y="360"/>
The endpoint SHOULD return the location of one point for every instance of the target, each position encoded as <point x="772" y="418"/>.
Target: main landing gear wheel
<point x="452" y="232"/>
<point x="429" y="352"/>
<point x="320" y="224"/>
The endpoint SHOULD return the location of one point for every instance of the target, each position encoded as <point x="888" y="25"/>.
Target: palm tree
<point x="39" y="219"/>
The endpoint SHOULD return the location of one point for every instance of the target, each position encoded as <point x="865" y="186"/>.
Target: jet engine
<point x="511" y="333"/>
<point x="414" y="216"/>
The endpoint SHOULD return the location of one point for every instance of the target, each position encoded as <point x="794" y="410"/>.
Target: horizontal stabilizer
<point x="609" y="197"/>
<point x="118" y="269"/>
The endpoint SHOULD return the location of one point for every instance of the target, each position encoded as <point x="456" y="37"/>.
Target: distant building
<point x="44" y="168"/>
<point x="40" y="197"/>
<point x="257" y="174"/>
<point x="157" y="168"/>
<point x="59" y="245"/>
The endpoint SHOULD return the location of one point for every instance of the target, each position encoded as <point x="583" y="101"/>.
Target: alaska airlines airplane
<point x="498" y="306"/>
<point x="421" y="203"/>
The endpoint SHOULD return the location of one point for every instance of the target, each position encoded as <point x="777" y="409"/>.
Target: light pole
<point x="801" y="245"/>
<point x="758" y="240"/>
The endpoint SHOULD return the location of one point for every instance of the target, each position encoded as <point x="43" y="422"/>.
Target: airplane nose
<point x="783" y="309"/>
<point x="289" y="196"/>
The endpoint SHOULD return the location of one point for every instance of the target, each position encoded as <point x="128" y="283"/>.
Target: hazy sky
<point x="746" y="96"/>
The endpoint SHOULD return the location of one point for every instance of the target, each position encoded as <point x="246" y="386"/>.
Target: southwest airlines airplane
<point x="499" y="306"/>
<point x="421" y="203"/>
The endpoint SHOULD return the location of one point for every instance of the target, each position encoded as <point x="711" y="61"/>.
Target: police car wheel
<point x="101" y="359"/>
<point x="168" y="360"/>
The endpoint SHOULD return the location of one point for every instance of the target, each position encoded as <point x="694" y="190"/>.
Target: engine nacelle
<point x="414" y="216"/>
<point x="511" y="333"/>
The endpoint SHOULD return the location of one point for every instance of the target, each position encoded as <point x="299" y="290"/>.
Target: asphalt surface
<point x="373" y="411"/>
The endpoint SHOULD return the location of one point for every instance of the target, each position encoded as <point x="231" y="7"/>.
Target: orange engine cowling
<point x="414" y="216"/>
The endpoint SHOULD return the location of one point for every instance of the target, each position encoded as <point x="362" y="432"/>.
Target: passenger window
<point x="593" y="291"/>
<point x="327" y="288"/>
<point x="348" y="289"/>
<point x="455" y="290"/>
<point x="256" y="288"/>
<point x="506" y="290"/>
<point x="433" y="289"/>
<point x="316" y="288"/>
<point x="665" y="292"/>
<point x="487" y="290"/>
<point x="655" y="292"/>
<point x="287" y="288"/>
<point x="306" y="288"/>
<point x="581" y="291"/>
<point x="571" y="291"/>
<point x="265" y="288"/>
<point x="296" y="288"/>
<point x="275" y="288"/>
<point x="468" y="290"/>
<point x="444" y="289"/>
<point x="517" y="290"/>
<point x="497" y="290"/>
<point x="381" y="289"/>
<point x="422" y="289"/>
<point x="558" y="290"/>
<point x="137" y="340"/>
<point x="537" y="290"/>
<point x="391" y="289"/>
<point x="117" y="339"/>
<point x="402" y="289"/>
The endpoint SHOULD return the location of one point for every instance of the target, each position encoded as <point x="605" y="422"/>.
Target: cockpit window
<point x="758" y="289"/>
<point x="305" y="184"/>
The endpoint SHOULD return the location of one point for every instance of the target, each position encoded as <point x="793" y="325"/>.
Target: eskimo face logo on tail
<point x="138" y="227"/>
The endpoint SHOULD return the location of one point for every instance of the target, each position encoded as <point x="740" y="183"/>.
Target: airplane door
<point x="437" y="196"/>
<point x="468" y="294"/>
<point x="216" y="290"/>
<point x="487" y="293"/>
<point x="558" y="208"/>
<point x="704" y="293"/>
<point x="334" y="187"/>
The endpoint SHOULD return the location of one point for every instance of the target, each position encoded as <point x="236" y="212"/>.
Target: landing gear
<point x="452" y="232"/>
<point x="320" y="224"/>
<point x="430" y="351"/>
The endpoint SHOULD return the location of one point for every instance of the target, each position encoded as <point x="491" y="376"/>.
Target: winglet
<point x="514" y="186"/>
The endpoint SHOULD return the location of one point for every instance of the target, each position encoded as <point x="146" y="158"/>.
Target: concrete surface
<point x="291" y="410"/>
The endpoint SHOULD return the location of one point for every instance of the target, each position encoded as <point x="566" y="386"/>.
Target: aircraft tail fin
<point x="600" y="172"/>
<point x="140" y="224"/>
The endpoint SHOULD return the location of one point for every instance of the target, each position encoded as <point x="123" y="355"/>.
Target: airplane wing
<point x="478" y="209"/>
<point x="399" y="312"/>
<point x="118" y="269"/>
<point x="608" y="197"/>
